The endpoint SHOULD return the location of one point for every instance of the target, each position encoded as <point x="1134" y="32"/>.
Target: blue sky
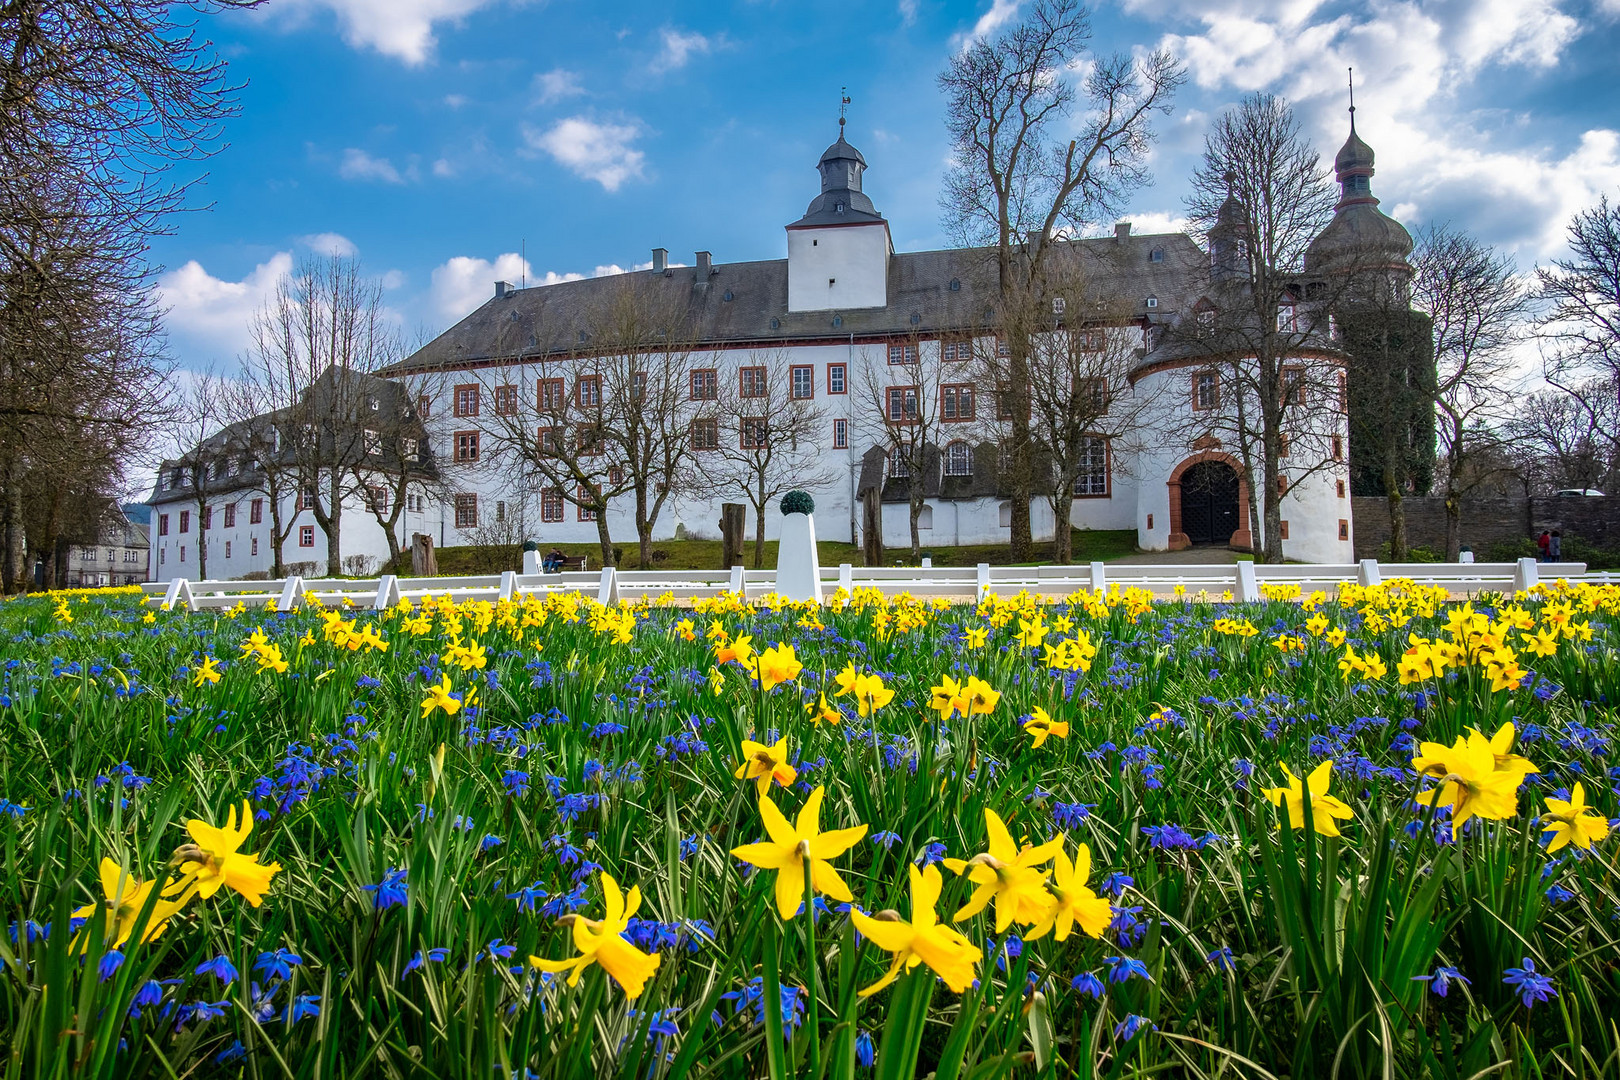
<point x="436" y="138"/>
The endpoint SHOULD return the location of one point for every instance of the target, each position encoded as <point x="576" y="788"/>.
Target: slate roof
<point x="929" y="293"/>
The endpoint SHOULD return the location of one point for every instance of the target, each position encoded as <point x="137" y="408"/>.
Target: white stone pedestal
<point x="798" y="570"/>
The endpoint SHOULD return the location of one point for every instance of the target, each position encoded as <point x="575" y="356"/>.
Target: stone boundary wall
<point x="1488" y="521"/>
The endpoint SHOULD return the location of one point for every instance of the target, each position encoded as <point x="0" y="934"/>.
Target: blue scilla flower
<point x="1121" y="968"/>
<point x="231" y="1053"/>
<point x="1440" y="982"/>
<point x="111" y="961"/>
<point x="932" y="854"/>
<point x="220" y="967"/>
<point x="1557" y="894"/>
<point x="390" y="891"/>
<point x="431" y="955"/>
<point x="887" y="839"/>
<point x="1132" y="1026"/>
<point x="1115" y="884"/>
<point x="691" y="845"/>
<point x="865" y="1052"/>
<point x="1070" y="815"/>
<point x="1088" y="984"/>
<point x="278" y="964"/>
<point x="528" y="896"/>
<point x="304" y="1007"/>
<point x="490" y="841"/>
<point x="1222" y="958"/>
<point x="1531" y="985"/>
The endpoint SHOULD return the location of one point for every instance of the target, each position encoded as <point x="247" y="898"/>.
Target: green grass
<point x="587" y="758"/>
<point x="1089" y="544"/>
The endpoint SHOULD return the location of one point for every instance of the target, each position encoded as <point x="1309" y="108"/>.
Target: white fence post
<point x="982" y="589"/>
<point x="531" y="563"/>
<point x="1525" y="576"/>
<point x="608" y="593"/>
<point x="846" y="578"/>
<point x="1248" y="586"/>
<point x="1369" y="574"/>
<point x="291" y="594"/>
<point x="927" y="562"/>
<point x="387" y="592"/>
<point x="1099" y="577"/>
<point x="508" y="584"/>
<point x="738" y="582"/>
<point x="172" y="593"/>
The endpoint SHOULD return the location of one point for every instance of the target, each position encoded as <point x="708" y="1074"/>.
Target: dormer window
<point x="1156" y="255"/>
<point x="838" y="208"/>
<point x="1152" y="303"/>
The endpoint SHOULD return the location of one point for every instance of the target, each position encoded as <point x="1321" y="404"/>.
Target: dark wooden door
<point x="1209" y="502"/>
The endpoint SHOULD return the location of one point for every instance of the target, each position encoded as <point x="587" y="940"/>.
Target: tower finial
<point x="843" y="105"/>
<point x="1352" y="99"/>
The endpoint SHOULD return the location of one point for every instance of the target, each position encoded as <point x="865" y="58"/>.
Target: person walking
<point x="1544" y="545"/>
<point x="1555" y="547"/>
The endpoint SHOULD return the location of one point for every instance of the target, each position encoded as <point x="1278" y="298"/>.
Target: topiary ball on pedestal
<point x="531" y="545"/>
<point x="798" y="502"/>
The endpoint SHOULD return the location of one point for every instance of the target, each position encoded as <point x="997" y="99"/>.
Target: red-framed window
<point x="705" y="384"/>
<point x="551" y="505"/>
<point x="465" y="400"/>
<point x="467" y="510"/>
<point x="754" y="433"/>
<point x="1093" y="479"/>
<point x="900" y="404"/>
<point x="506" y="400"/>
<point x="1293" y="385"/>
<point x="802" y="384"/>
<point x="837" y="378"/>
<point x="466" y="447"/>
<point x="583" y="496"/>
<point x="751" y="382"/>
<point x="956" y="347"/>
<point x="1338" y="448"/>
<point x="424" y="407"/>
<point x="587" y="439"/>
<point x="185" y="522"/>
<point x="306" y="536"/>
<point x="1093" y="392"/>
<point x="956" y="402"/>
<point x="705" y="433"/>
<point x="306" y="497"/>
<point x="903" y="354"/>
<point x="840" y="434"/>
<point x="548" y="441"/>
<point x="588" y="391"/>
<point x="205" y="519"/>
<point x="551" y="395"/>
<point x="230" y="515"/>
<point x="958" y="459"/>
<point x="1206" y="390"/>
<point x="163" y="524"/>
<point x="256" y="512"/>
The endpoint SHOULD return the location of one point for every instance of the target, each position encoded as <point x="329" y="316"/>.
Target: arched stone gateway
<point x="1209" y="503"/>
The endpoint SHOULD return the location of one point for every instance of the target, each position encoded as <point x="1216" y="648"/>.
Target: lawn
<point x="1089" y="544"/>
<point x="549" y="839"/>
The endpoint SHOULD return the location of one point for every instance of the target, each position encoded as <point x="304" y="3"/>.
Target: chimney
<point x="1122" y="232"/>
<point x="503" y="289"/>
<point x="660" y="259"/>
<point x="705" y="263"/>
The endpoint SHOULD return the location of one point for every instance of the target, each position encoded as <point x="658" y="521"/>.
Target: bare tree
<point x="314" y="343"/>
<point x="398" y="459"/>
<point x="1570" y="430"/>
<point x="1262" y="194"/>
<point x="1022" y="176"/>
<point x="761" y="439"/>
<point x="911" y="402"/>
<point x="201" y="467"/>
<point x="1581" y="315"/>
<point x="1477" y="307"/>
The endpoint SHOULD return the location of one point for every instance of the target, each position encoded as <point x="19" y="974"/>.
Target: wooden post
<point x="733" y="527"/>
<point x="424" y="563"/>
<point x="872" y="527"/>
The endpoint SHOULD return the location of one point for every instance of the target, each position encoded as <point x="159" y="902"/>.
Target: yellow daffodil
<point x="976" y="636"/>
<point x="685" y="630"/>
<point x="717" y="681"/>
<point x="766" y="763"/>
<point x="1324" y="807"/>
<point x="1478" y="777"/>
<point x="439" y="697"/>
<point x="923" y="940"/>
<point x="1571" y="821"/>
<point x="603" y="942"/>
<point x="1072" y="902"/>
<point x="775" y="666"/>
<point x="207" y="672"/>
<point x="948" y="699"/>
<point x="790" y="846"/>
<point x="149" y="618"/>
<point x="739" y="650"/>
<point x="845" y="680"/>
<point x="871" y="695"/>
<point x="212" y="860"/>
<point x="124" y="895"/>
<point x="1008" y="875"/>
<point x="981" y="697"/>
<point x="1031" y="633"/>
<point x="823" y="713"/>
<point x="1041" y="726"/>
<point x="270" y="660"/>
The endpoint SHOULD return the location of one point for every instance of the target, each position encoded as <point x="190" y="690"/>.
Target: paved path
<point x="1193" y="555"/>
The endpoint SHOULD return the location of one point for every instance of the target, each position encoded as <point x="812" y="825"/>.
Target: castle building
<point x="849" y="349"/>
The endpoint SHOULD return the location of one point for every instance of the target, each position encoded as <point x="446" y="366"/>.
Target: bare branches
<point x="1582" y="294"/>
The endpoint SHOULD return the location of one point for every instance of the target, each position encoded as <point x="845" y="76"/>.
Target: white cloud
<point x="1156" y="221"/>
<point x="214" y="313"/>
<point x="908" y="12"/>
<point x="393" y="279"/>
<point x="1001" y="12"/>
<point x="455" y="101"/>
<point x="679" y="48"/>
<point x="403" y="29"/>
<point x="443" y="168"/>
<point x="359" y="165"/>
<point x="464" y="282"/>
<point x="595" y="151"/>
<point x="330" y="243"/>
<point x="556" y="84"/>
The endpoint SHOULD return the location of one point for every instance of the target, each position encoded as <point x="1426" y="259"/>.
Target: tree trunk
<point x="12" y="566"/>
<point x="333" y="526"/>
<point x="1397" y="524"/>
<point x="602" y="536"/>
<point x="916" y="533"/>
<point x="1062" y="528"/>
<point x="759" y="524"/>
<point x="644" y="541"/>
<point x="278" y="567"/>
<point x="202" y="538"/>
<point x="1453" y="525"/>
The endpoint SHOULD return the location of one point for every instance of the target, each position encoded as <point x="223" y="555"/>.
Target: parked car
<point x="1592" y="493"/>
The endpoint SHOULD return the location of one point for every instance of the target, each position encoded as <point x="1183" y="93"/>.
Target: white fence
<point x="1242" y="579"/>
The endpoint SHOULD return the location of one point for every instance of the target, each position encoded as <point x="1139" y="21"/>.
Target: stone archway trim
<point x="1242" y="539"/>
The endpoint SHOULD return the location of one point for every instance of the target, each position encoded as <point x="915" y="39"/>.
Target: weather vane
<point x="1352" y="94"/>
<point x="843" y="106"/>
